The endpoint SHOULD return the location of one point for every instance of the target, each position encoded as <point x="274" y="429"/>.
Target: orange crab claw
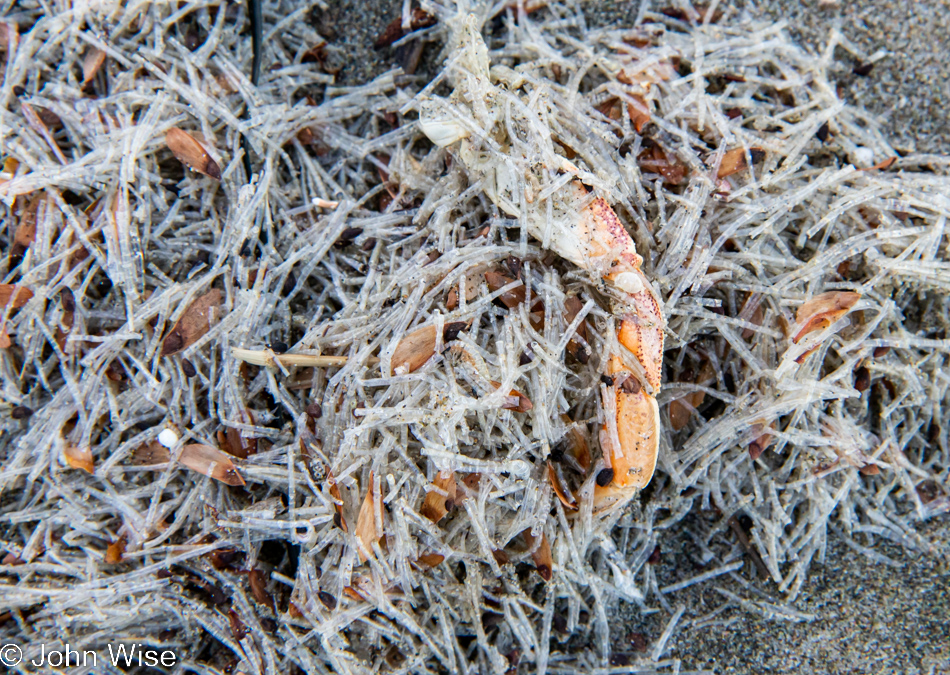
<point x="634" y="450"/>
<point x="641" y="331"/>
<point x="607" y="246"/>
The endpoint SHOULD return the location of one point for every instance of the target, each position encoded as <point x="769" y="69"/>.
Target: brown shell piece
<point x="541" y="554"/>
<point x="510" y="298"/>
<point x="431" y="559"/>
<point x="579" y="447"/>
<point x="414" y="349"/>
<point x="471" y="481"/>
<point x="92" y="64"/>
<point x="9" y="36"/>
<point x="516" y="400"/>
<point x="761" y="442"/>
<point x="14" y="296"/>
<point x="566" y="498"/>
<point x="238" y="629"/>
<point x="823" y="310"/>
<point x="756" y="317"/>
<point x="26" y="227"/>
<point x="337" y="498"/>
<point x="419" y="18"/>
<point x="151" y="453"/>
<point x="115" y="551"/>
<point x="366" y="531"/>
<point x="639" y="112"/>
<point x="435" y="505"/>
<point x="194" y="323"/>
<point x="191" y="153"/>
<point x="572" y="307"/>
<point x="234" y="442"/>
<point x="735" y="160"/>
<point x="655" y="160"/>
<point x="472" y="282"/>
<point x="79" y="458"/>
<point x="210" y="462"/>
<point x="259" y="588"/>
<point x="883" y="165"/>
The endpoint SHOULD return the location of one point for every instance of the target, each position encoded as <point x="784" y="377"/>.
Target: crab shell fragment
<point x="577" y="225"/>
<point x="633" y="451"/>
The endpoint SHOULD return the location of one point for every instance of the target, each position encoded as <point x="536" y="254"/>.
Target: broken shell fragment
<point x="541" y="553"/>
<point x="578" y="444"/>
<point x="151" y="453"/>
<point x="366" y="532"/>
<point x="337" y="499"/>
<point x="655" y="160"/>
<point x="14" y="296"/>
<point x="735" y="160"/>
<point x="823" y="310"/>
<point x="26" y="227"/>
<point x="210" y="462"/>
<point x="431" y="559"/>
<point x="572" y="306"/>
<point x="194" y="323"/>
<point x="91" y="64"/>
<point x="414" y="350"/>
<point x="681" y="409"/>
<point x="394" y="31"/>
<point x="115" y="551"/>
<point x="515" y="400"/>
<point x="440" y="497"/>
<point x="442" y="131"/>
<point x="510" y="298"/>
<point x="566" y="498"/>
<point x="191" y="153"/>
<point x="79" y="458"/>
<point x="639" y="113"/>
<point x="258" y="584"/>
<point x="762" y="441"/>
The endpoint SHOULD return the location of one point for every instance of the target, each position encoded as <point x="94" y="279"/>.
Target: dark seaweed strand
<point x="257" y="37"/>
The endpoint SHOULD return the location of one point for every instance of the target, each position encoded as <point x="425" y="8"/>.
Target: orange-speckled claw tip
<point x="643" y="335"/>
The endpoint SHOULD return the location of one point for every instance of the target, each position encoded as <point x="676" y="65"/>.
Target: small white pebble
<point x="863" y="157"/>
<point x="168" y="438"/>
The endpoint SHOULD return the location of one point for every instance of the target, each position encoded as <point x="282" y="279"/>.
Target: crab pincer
<point x="475" y="124"/>
<point x="631" y="442"/>
<point x="605" y="245"/>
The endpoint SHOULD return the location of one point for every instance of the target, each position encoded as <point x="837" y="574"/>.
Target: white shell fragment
<point x="168" y="437"/>
<point x="443" y="131"/>
<point x="629" y="282"/>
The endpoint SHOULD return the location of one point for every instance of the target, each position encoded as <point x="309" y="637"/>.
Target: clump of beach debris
<point x="351" y="413"/>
